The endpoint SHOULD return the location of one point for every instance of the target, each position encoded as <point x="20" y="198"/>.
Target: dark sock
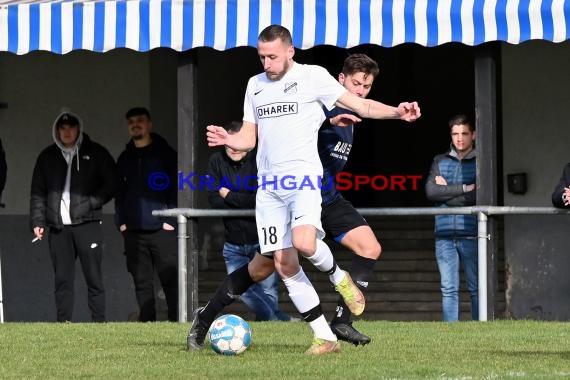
<point x="234" y="285"/>
<point x="361" y="272"/>
<point x="311" y="315"/>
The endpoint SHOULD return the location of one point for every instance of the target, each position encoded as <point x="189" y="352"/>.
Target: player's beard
<point x="286" y="67"/>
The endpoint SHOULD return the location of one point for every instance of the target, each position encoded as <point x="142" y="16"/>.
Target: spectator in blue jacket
<point x="147" y="171"/>
<point x="452" y="183"/>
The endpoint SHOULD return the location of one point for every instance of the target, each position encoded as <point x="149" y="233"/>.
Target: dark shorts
<point x="340" y="217"/>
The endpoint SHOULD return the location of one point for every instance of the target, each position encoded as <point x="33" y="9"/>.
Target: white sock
<point x="322" y="329"/>
<point x="323" y="260"/>
<point x="305" y="298"/>
<point x="337" y="276"/>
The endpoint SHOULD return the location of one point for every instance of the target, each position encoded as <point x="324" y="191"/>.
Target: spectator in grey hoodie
<point x="73" y="178"/>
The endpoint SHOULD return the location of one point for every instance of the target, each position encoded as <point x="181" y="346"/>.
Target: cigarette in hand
<point x="35" y="239"/>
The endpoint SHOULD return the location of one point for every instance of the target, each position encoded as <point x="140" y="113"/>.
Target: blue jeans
<point x="449" y="252"/>
<point x="263" y="297"/>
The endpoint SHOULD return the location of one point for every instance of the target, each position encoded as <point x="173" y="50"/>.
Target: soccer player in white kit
<point x="283" y="109"/>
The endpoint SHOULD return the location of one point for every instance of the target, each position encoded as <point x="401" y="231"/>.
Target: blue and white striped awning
<point x="62" y="26"/>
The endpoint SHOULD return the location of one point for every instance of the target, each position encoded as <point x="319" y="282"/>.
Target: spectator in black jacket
<point x="147" y="171"/>
<point x="3" y="171"/>
<point x="561" y="193"/>
<point x="233" y="186"/>
<point x="73" y="178"/>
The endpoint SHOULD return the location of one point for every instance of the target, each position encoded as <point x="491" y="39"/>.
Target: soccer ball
<point x="230" y="335"/>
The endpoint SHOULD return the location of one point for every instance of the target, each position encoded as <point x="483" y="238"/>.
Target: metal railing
<point x="482" y="212"/>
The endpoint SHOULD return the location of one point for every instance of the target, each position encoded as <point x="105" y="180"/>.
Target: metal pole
<point x="193" y="270"/>
<point x="182" y="269"/>
<point x="482" y="260"/>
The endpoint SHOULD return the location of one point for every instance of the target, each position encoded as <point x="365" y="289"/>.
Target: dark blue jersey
<point x="334" y="146"/>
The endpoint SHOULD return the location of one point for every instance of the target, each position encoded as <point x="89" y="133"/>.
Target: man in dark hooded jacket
<point x="148" y="179"/>
<point x="73" y="178"/>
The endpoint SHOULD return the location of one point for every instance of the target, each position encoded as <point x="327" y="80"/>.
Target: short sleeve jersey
<point x="288" y="113"/>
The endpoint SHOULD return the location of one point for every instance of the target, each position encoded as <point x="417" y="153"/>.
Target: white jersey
<point x="288" y="114"/>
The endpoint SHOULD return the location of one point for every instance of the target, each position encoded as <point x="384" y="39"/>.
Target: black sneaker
<point x="345" y="331"/>
<point x="197" y="333"/>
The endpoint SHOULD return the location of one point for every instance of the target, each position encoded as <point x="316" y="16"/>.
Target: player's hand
<point x="344" y="120"/>
<point x="216" y="135"/>
<point x="167" y="227"/>
<point x="409" y="111"/>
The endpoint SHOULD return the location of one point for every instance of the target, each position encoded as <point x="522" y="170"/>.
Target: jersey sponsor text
<point x="277" y="109"/>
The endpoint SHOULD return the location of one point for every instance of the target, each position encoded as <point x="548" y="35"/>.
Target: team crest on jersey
<point x="276" y="109"/>
<point x="290" y="88"/>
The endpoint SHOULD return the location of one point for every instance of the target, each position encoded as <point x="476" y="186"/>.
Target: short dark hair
<point x="461" y="119"/>
<point x="137" y="111"/>
<point x="357" y="63"/>
<point x="273" y="32"/>
<point x="233" y="126"/>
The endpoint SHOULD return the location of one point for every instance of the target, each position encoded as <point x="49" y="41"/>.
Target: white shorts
<point x="278" y="211"/>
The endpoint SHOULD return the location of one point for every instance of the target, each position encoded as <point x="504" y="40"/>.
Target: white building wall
<point x="535" y="79"/>
<point x="100" y="88"/>
<point x="536" y="124"/>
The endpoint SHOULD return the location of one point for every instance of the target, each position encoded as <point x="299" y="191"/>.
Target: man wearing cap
<point x="73" y="178"/>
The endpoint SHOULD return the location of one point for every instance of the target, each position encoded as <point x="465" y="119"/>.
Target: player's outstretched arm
<point x="244" y="140"/>
<point x="344" y="120"/>
<point x="375" y="110"/>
